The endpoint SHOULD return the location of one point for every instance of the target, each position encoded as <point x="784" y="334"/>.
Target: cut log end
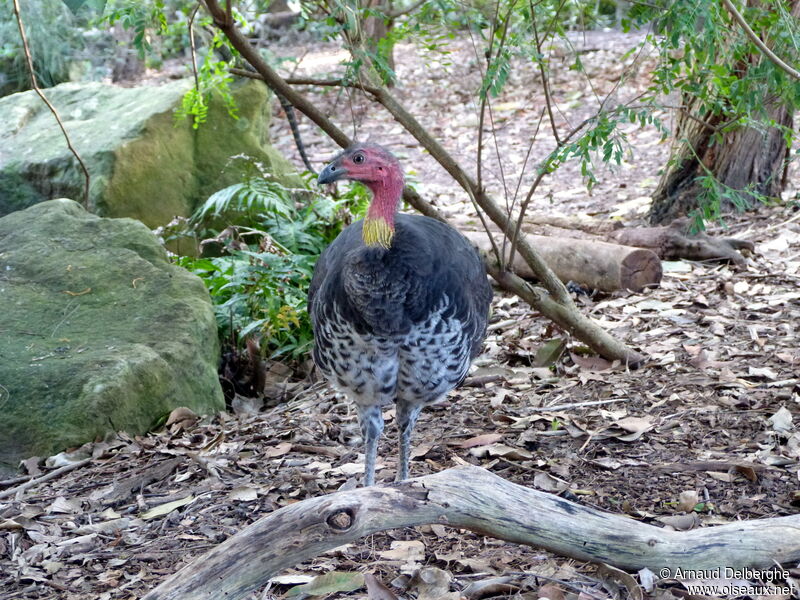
<point x="594" y="264"/>
<point x="640" y="269"/>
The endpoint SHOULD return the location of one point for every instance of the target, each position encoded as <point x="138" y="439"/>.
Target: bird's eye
<point x="358" y="159"/>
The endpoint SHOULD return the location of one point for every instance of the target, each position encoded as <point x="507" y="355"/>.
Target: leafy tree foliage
<point x="733" y="98"/>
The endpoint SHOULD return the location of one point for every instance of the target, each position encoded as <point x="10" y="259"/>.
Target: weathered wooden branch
<point x="595" y="264"/>
<point x="672" y="242"/>
<point x="475" y="499"/>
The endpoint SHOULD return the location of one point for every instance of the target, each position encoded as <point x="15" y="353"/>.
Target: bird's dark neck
<point x="378" y="227"/>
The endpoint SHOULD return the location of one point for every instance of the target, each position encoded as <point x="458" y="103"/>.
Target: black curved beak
<point x="332" y="172"/>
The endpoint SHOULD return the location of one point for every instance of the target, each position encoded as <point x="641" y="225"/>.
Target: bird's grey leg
<point x="407" y="414"/>
<point x="371" y="420"/>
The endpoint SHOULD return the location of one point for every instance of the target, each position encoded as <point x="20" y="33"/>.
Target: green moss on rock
<point x="143" y="163"/>
<point x="100" y="331"/>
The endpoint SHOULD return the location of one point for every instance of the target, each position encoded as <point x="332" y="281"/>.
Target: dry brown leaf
<point x="432" y="583"/>
<point x="166" y="508"/>
<point x="491" y="587"/>
<point x="548" y="483"/>
<point x="480" y="440"/>
<point x="404" y="551"/>
<point x="278" y="450"/>
<point x="704" y="360"/>
<point x="681" y="522"/>
<point x="62" y="505"/>
<point x="376" y="590"/>
<point x="421" y="450"/>
<point x="781" y="421"/>
<point x="635" y="424"/>
<point x="620" y="577"/>
<point x="32" y="465"/>
<point x="181" y="418"/>
<point x="501" y="450"/>
<point x="243" y="494"/>
<point x="793" y="358"/>
<point x="591" y="363"/>
<point x="551" y="591"/>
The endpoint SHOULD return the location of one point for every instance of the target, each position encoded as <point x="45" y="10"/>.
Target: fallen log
<point x="594" y="264"/>
<point x="475" y="499"/>
<point x="674" y="241"/>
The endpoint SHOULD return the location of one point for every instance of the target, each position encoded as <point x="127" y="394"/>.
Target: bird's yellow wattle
<point x="377" y="232"/>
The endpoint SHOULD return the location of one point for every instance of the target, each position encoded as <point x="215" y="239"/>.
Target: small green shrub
<point x="259" y="281"/>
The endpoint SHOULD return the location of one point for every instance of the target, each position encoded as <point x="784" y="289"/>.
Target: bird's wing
<point x="331" y="260"/>
<point x="447" y="264"/>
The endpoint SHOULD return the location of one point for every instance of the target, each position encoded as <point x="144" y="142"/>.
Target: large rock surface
<point x="98" y="331"/>
<point x="143" y="163"/>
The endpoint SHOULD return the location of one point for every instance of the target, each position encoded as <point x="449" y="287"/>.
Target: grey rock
<point x="98" y="331"/>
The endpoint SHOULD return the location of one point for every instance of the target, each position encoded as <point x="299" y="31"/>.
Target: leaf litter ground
<point x="702" y="434"/>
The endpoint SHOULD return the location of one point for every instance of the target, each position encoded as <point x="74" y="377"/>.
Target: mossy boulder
<point x="98" y="331"/>
<point x="143" y="162"/>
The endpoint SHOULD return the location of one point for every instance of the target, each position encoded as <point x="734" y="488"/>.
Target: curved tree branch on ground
<point x="570" y="317"/>
<point x="475" y="499"/>
<point x="737" y="16"/>
<point x="29" y="62"/>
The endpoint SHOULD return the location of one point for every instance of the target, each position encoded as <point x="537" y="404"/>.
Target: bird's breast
<point x="419" y="365"/>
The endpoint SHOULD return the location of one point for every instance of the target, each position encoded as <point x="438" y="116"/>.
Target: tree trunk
<point x="376" y="28"/>
<point x="746" y="159"/>
<point x="751" y="161"/>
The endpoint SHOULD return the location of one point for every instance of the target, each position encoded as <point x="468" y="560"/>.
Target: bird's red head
<point x="371" y="164"/>
<point x="379" y="170"/>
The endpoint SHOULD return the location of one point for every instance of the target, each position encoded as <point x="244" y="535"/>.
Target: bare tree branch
<point x="193" y="48"/>
<point x="548" y="99"/>
<point x="29" y="61"/>
<point x="737" y="16"/>
<point x="569" y="317"/>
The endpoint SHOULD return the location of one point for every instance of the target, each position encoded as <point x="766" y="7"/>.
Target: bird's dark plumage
<point x="399" y="323"/>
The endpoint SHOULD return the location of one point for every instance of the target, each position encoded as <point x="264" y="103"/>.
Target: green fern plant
<point x="259" y="283"/>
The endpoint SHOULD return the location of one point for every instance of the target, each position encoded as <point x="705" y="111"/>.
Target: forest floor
<point x="703" y="434"/>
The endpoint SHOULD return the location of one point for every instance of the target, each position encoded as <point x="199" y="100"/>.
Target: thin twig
<point x="527" y="158"/>
<point x="17" y="491"/>
<point x="757" y="41"/>
<point x="29" y="60"/>
<point x="14" y="480"/>
<point x="484" y="98"/>
<point x="193" y="48"/>
<point x="577" y="405"/>
<point x="548" y="98"/>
